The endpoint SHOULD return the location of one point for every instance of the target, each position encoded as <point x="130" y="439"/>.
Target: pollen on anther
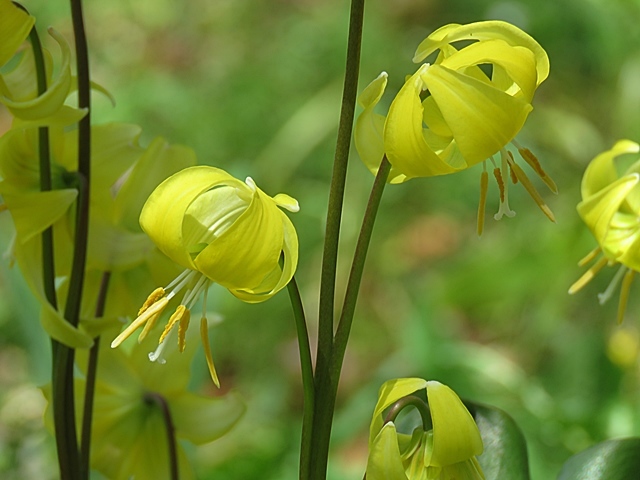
<point x="182" y="330"/>
<point x="153" y="297"/>
<point x="177" y="315"/>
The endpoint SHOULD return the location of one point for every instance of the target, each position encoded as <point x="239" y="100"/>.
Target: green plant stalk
<point x="306" y="367"/>
<point x="161" y="402"/>
<point x="65" y="443"/>
<point x="90" y="384"/>
<point x="62" y="378"/>
<point x="332" y="236"/>
<point x="326" y="402"/>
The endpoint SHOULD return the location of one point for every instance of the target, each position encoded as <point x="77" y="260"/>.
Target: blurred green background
<point x="254" y="87"/>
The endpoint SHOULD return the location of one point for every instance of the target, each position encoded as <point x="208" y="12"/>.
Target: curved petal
<point x="163" y="213"/>
<point x="483" y="119"/>
<point x="49" y="102"/>
<point x="279" y="277"/>
<point x="390" y="392"/>
<point x="405" y="144"/>
<point x="369" y="129"/>
<point x="384" y="462"/>
<point x="601" y="172"/>
<point x="518" y="62"/>
<point x="15" y="25"/>
<point x="202" y="419"/>
<point x="598" y="210"/>
<point x="456" y="437"/>
<point x="243" y="255"/>
<point x="487" y="30"/>
<point x="18" y="160"/>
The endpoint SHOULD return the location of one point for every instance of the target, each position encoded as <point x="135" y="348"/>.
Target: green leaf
<point x="505" y="448"/>
<point x="617" y="459"/>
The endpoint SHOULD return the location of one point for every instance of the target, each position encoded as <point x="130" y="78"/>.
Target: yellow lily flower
<point x="452" y="114"/>
<point x="610" y="207"/>
<point x="444" y="447"/>
<point x="15" y="25"/>
<point x="220" y="230"/>
<point x="19" y="92"/>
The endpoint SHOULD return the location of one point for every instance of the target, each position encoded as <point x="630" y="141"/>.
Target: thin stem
<point x="161" y="402"/>
<point x="62" y="378"/>
<point x="306" y="367"/>
<point x="90" y="384"/>
<point x="325" y="403"/>
<point x="414" y="401"/>
<point x="318" y="462"/>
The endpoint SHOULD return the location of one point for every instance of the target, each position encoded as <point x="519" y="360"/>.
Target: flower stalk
<point x="324" y="385"/>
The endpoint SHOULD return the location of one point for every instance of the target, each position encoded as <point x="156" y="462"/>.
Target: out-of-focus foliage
<point x="254" y="88"/>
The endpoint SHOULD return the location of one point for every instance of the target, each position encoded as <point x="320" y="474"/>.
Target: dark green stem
<point x="326" y="400"/>
<point x="306" y="367"/>
<point x="161" y="402"/>
<point x="90" y="384"/>
<point x="63" y="388"/>
<point x="418" y="403"/>
<point x="321" y="432"/>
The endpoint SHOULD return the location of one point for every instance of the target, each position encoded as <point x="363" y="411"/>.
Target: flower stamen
<point x="588" y="276"/>
<point x="204" y="337"/>
<point x="150" y="314"/>
<point x="624" y="294"/>
<point x="484" y="184"/>
<point x="500" y="174"/>
<point x="175" y="318"/>
<point x="615" y="281"/>
<point x="526" y="183"/>
<point x="533" y="162"/>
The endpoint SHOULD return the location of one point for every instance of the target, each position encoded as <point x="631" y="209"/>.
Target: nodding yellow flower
<point x="220" y="230"/>
<point x="463" y="109"/>
<point x="610" y="207"/>
<point x="443" y="447"/>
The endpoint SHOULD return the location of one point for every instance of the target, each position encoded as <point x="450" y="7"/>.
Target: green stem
<point x="306" y="367"/>
<point x="318" y="462"/>
<point x="62" y="378"/>
<point x="90" y="385"/>
<point x="327" y="399"/>
<point x="414" y="401"/>
<point x="161" y="402"/>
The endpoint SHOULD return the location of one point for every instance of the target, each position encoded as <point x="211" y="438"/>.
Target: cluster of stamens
<point x="154" y="306"/>
<point x="509" y="169"/>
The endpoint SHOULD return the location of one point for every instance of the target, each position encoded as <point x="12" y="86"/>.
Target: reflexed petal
<point x="369" y="129"/>
<point x="390" y="392"/>
<point x="407" y="149"/>
<point x="236" y="259"/>
<point x="602" y="171"/>
<point x="598" y="210"/>
<point x="49" y="102"/>
<point x="163" y="213"/>
<point x="517" y="62"/>
<point x="488" y="30"/>
<point x="204" y="419"/>
<point x="288" y="203"/>
<point x="15" y="25"/>
<point x="384" y="462"/>
<point x="456" y="437"/>
<point x="482" y="118"/>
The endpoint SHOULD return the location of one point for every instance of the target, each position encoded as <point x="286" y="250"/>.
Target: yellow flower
<point x="220" y="230"/>
<point x="459" y="111"/>
<point x="610" y="207"/>
<point x="444" y="447"/>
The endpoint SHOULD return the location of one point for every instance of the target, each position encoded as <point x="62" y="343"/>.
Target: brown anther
<point x="533" y="162"/>
<point x="512" y="174"/>
<point x="498" y="174"/>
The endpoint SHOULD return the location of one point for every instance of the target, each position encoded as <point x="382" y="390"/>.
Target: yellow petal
<point x="456" y="437"/>
<point x="487" y="30"/>
<point x="15" y="25"/>
<point x="405" y="144"/>
<point x="601" y="172"/>
<point x="164" y="211"/>
<point x="483" y="119"/>
<point x="385" y="462"/>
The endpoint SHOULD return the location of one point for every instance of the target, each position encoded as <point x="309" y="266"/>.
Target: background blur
<point x="254" y="87"/>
